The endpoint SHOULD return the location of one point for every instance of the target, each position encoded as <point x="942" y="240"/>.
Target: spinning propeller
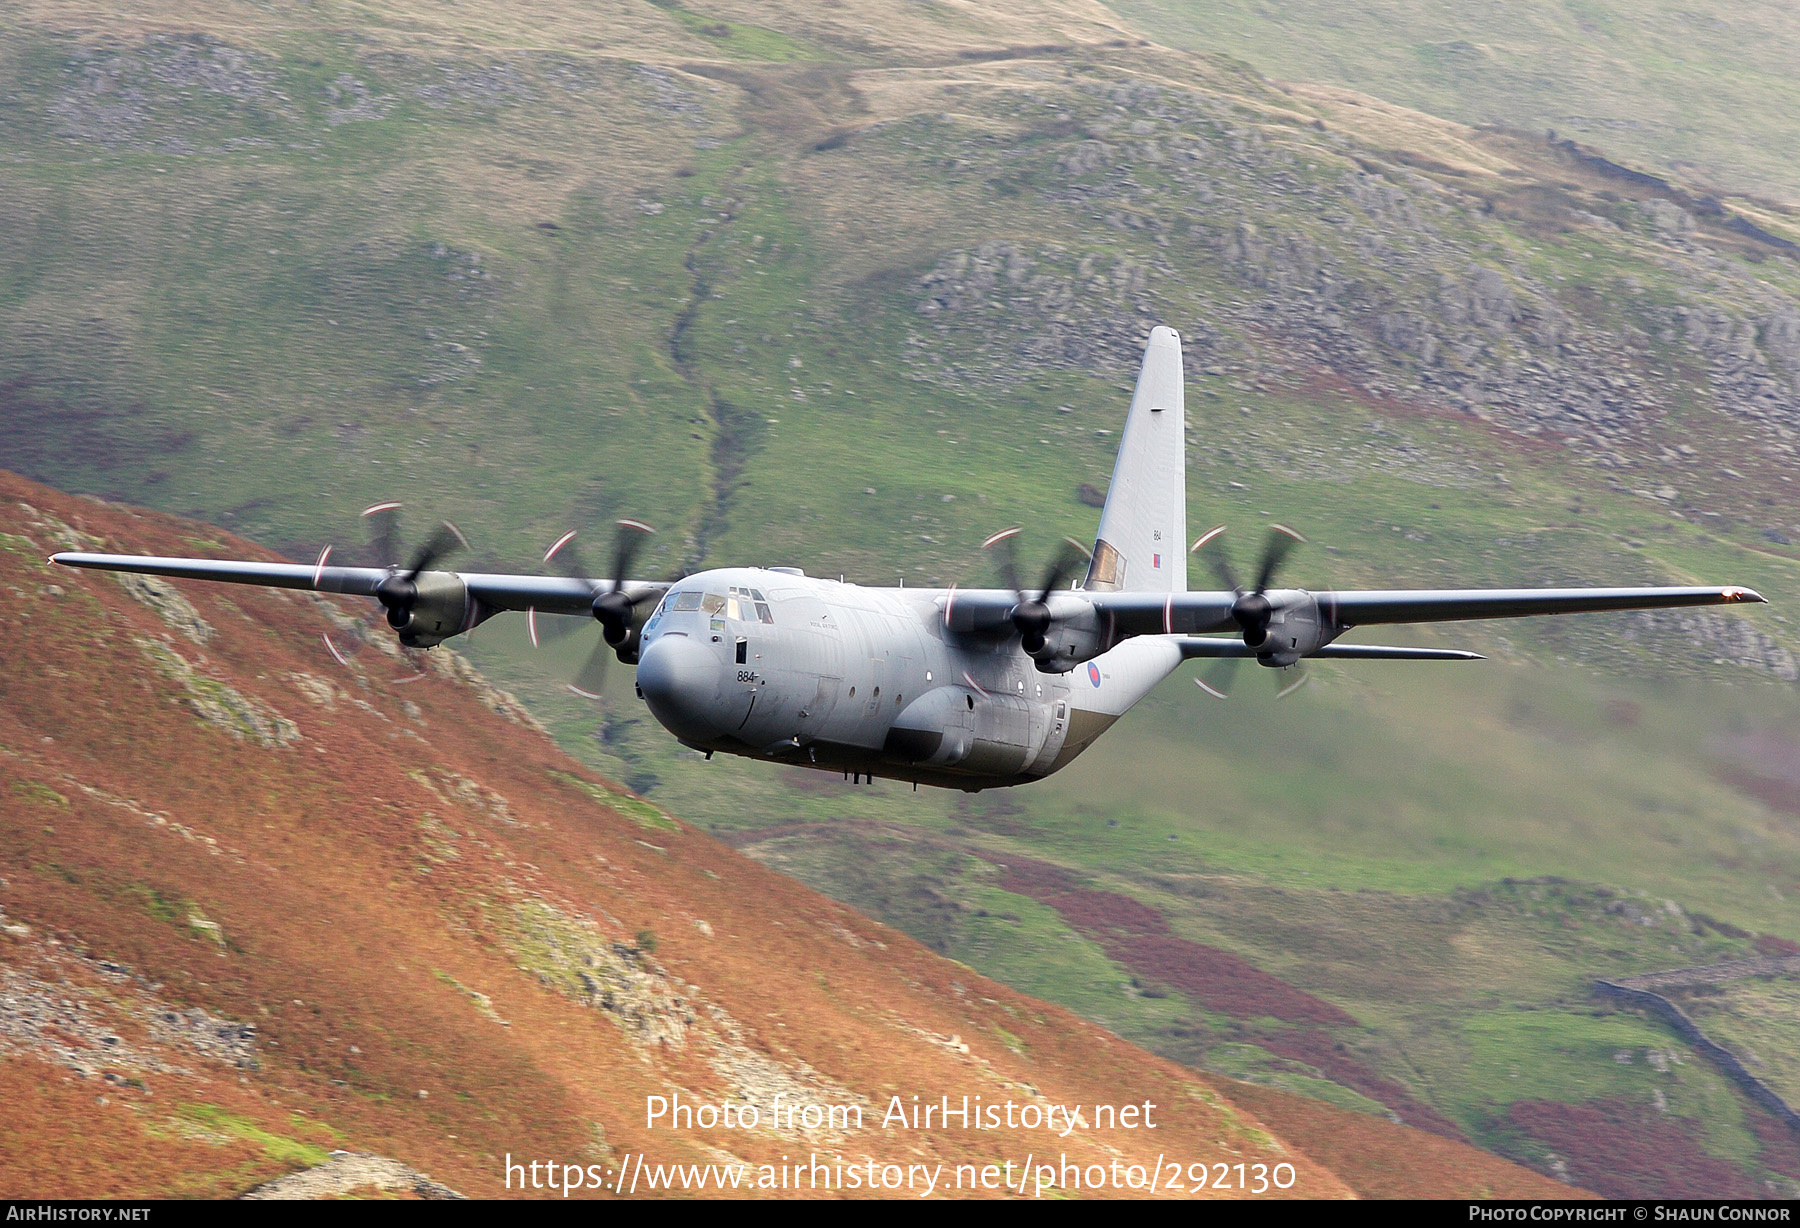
<point x="1251" y="610"/>
<point x="1031" y="616"/>
<point x="613" y="608"/>
<point x="400" y="589"/>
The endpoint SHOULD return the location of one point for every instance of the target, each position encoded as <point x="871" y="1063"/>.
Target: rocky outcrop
<point x="345" y="1173"/>
<point x="84" y="1022"/>
<point x="1282" y="264"/>
<point x="218" y="703"/>
<point x="571" y="955"/>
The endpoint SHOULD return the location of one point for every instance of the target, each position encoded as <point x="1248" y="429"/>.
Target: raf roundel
<point x="1093" y="673"/>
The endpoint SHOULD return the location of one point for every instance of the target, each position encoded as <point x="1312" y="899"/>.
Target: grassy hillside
<point x="1706" y="93"/>
<point x="853" y="287"/>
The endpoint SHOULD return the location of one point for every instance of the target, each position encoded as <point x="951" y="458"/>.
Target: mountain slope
<point x="259" y="907"/>
<point x="1704" y="93"/>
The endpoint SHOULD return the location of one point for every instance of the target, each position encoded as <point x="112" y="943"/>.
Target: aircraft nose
<point x="680" y="680"/>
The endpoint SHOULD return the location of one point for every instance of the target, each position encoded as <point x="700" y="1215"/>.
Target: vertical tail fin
<point x="1142" y="545"/>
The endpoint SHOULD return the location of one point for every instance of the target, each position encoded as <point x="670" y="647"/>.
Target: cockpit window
<point x="744" y="604"/>
<point x="748" y="605"/>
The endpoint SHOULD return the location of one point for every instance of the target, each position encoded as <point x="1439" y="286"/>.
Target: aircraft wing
<point x="1194" y="613"/>
<point x="357" y="581"/>
<point x="1446" y="605"/>
<point x="547" y="594"/>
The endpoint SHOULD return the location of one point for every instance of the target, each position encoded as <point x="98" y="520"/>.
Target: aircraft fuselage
<point x="777" y="665"/>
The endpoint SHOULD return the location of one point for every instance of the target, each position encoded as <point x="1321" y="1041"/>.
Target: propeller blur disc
<point x="1296" y="684"/>
<point x="562" y="541"/>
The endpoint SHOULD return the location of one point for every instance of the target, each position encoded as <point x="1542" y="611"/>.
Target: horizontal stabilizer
<point x="1383" y="652"/>
<point x="1208" y="646"/>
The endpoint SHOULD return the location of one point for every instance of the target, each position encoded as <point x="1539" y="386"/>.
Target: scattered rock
<point x="347" y="1172"/>
<point x="168" y="604"/>
<point x="569" y="954"/>
<point x="217" y="703"/>
<point x="360" y="106"/>
<point x="451" y="664"/>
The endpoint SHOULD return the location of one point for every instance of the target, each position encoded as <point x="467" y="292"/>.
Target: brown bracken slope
<point x="258" y="906"/>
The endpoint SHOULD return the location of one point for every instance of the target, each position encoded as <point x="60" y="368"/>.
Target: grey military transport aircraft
<point x="971" y="688"/>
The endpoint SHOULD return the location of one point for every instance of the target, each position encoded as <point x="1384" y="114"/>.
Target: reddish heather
<point x="1318" y="1049"/>
<point x="1777" y="794"/>
<point x="1780" y="1145"/>
<point x="1624" y="1150"/>
<point x="1137" y="937"/>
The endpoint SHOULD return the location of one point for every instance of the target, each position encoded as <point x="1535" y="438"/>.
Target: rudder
<point x="1141" y="546"/>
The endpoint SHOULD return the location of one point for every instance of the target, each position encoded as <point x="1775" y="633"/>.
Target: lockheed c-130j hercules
<point x="971" y="688"/>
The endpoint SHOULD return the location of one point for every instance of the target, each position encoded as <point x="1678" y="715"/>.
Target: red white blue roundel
<point x="1093" y="673"/>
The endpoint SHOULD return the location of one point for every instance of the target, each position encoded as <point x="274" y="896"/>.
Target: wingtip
<point x="1737" y="593"/>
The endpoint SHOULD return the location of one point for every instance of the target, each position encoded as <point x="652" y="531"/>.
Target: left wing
<point x="1447" y="605"/>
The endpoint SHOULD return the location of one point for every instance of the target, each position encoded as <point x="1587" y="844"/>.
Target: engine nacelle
<point x="442" y="609"/>
<point x="1076" y="635"/>
<point x="1297" y="628"/>
<point x="627" y="647"/>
